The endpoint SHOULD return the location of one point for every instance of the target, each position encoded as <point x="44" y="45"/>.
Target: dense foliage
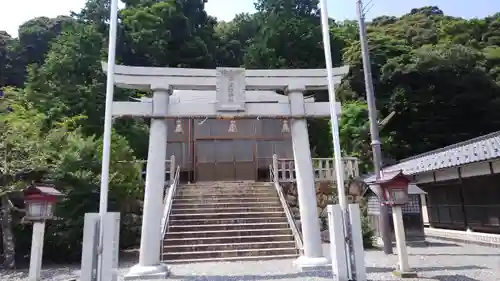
<point x="439" y="74"/>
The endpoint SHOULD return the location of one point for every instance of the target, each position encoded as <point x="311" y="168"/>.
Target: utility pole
<point x="385" y="229"/>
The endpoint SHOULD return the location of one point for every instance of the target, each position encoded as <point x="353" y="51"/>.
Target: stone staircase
<point x="213" y="221"/>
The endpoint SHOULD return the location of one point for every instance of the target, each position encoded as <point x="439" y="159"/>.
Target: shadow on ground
<point x="46" y="274"/>
<point x="428" y="244"/>
<point x="452" y="278"/>
<point x="318" y="274"/>
<point x="424" y="269"/>
<point x="457" y="255"/>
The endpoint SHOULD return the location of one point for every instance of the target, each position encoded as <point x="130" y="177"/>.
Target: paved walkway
<point x="441" y="261"/>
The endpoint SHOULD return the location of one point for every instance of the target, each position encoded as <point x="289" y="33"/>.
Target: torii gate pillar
<point x="150" y="265"/>
<point x="312" y="257"/>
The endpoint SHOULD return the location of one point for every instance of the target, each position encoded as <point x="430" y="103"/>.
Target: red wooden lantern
<point x="40" y="200"/>
<point x="394" y="187"/>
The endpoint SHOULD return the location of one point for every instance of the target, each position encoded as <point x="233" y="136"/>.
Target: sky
<point x="17" y="12"/>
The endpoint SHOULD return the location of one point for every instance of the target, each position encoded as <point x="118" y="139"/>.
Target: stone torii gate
<point x="231" y="85"/>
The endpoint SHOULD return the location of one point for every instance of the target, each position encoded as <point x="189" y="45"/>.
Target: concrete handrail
<point x="286" y="208"/>
<point x="168" y="200"/>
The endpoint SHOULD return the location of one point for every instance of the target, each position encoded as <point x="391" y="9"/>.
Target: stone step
<point x="227" y="183"/>
<point x="224" y="182"/>
<point x="229" y="259"/>
<point x="249" y="192"/>
<point x="226" y="195"/>
<point x="208" y="210"/>
<point x="221" y="200"/>
<point x="228" y="254"/>
<point x="228" y="233"/>
<point x="225" y="186"/>
<point x="224" y="227"/>
<point x="227" y="239"/>
<point x="230" y="192"/>
<point x="225" y="247"/>
<point x="224" y="215"/>
<point x="220" y="205"/>
<point x="226" y="221"/>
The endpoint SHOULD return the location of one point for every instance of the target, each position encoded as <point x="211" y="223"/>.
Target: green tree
<point x="76" y="172"/>
<point x="429" y="69"/>
<point x="12" y="67"/>
<point x="36" y="35"/>
<point x="289" y="36"/>
<point x="234" y="38"/>
<point x="168" y="33"/>
<point x="441" y="83"/>
<point x="64" y="156"/>
<point x="4" y="41"/>
<point x="76" y="78"/>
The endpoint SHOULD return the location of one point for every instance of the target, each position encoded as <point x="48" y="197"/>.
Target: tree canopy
<point x="439" y="74"/>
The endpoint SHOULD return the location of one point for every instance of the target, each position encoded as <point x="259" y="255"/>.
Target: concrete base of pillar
<point x="139" y="272"/>
<point x="311" y="264"/>
<point x="401" y="274"/>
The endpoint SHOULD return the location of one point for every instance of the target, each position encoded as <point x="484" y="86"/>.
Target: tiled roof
<point x="483" y="148"/>
<point x="367" y="180"/>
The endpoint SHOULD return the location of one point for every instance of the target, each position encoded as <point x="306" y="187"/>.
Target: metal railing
<point x="288" y="211"/>
<point x="167" y="202"/>
<point x="324" y="169"/>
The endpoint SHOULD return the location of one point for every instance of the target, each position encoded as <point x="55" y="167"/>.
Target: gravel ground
<point x="441" y="261"/>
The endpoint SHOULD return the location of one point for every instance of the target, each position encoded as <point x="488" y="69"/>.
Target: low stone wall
<point x="485" y="239"/>
<point x="326" y="193"/>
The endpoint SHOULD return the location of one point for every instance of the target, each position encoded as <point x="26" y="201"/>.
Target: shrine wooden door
<point x="225" y="160"/>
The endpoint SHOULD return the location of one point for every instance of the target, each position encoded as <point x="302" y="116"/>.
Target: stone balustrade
<point x="324" y="169"/>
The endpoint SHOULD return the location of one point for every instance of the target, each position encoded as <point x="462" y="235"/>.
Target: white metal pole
<point x="339" y="169"/>
<point x="108" y="116"/>
<point x="106" y="145"/>
<point x="36" y="251"/>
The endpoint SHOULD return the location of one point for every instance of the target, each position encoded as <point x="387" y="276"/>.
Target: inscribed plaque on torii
<point x="230" y="89"/>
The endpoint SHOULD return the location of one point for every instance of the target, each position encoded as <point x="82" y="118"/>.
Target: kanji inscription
<point x="230" y="89"/>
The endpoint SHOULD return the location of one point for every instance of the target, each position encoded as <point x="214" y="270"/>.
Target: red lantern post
<point x="394" y="186"/>
<point x="39" y="200"/>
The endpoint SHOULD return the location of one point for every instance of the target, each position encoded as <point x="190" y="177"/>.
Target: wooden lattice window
<point x="373" y="205"/>
<point x="413" y="205"/>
